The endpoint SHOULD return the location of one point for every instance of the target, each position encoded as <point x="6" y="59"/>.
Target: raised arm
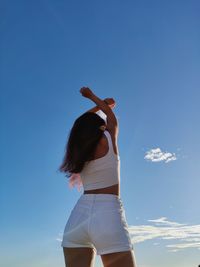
<point x="109" y="101"/>
<point x="112" y="123"/>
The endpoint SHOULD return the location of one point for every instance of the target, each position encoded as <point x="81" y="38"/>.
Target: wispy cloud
<point x="188" y="236"/>
<point x="185" y="235"/>
<point x="156" y="155"/>
<point x="164" y="221"/>
<point x="59" y="238"/>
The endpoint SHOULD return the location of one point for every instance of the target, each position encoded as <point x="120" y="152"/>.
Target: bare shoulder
<point x="102" y="148"/>
<point x="113" y="129"/>
<point x="114" y="136"/>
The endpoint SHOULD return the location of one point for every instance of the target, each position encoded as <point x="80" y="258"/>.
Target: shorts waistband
<point x="100" y="197"/>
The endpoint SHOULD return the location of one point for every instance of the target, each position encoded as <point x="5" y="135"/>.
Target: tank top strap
<point x="109" y="138"/>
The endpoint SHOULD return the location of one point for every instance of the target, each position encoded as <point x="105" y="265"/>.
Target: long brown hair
<point x="83" y="139"/>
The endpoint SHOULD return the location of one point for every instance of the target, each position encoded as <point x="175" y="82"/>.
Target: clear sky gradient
<point x="144" y="54"/>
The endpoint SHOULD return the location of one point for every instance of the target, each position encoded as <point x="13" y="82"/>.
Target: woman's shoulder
<point x="102" y="147"/>
<point x="113" y="140"/>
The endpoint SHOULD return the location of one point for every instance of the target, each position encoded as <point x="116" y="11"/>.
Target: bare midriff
<point x="114" y="189"/>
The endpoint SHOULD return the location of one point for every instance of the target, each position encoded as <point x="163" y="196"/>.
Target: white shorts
<point x="98" y="221"/>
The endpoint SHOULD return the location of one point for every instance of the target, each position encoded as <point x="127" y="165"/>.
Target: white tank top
<point x="102" y="172"/>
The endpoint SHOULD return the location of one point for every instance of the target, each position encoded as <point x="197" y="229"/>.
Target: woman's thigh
<point x="119" y="259"/>
<point x="79" y="257"/>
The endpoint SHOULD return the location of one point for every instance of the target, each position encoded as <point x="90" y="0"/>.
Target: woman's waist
<point x="113" y="189"/>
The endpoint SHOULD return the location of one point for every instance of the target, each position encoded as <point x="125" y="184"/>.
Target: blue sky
<point x="144" y="54"/>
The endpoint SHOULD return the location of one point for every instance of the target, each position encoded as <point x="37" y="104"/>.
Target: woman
<point x="97" y="223"/>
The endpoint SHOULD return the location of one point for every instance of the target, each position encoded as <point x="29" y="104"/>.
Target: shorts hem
<point x="114" y="249"/>
<point x="72" y="245"/>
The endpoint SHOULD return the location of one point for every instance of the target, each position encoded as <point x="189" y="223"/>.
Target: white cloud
<point x="156" y="155"/>
<point x="177" y="235"/>
<point x="187" y="235"/>
<point x="163" y="220"/>
<point x="59" y="237"/>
